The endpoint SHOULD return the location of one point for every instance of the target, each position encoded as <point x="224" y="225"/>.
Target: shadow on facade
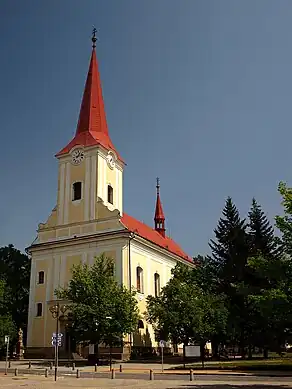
<point x="142" y="344"/>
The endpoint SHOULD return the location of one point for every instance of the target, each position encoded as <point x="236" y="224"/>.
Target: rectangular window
<point x="156" y="284"/>
<point x="39" y="309"/>
<point x="77" y="191"/>
<point x="41" y="277"/>
<point x="110" y="194"/>
<point x="139" y="279"/>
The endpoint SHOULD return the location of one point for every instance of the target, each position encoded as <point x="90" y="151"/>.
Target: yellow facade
<point x="62" y="247"/>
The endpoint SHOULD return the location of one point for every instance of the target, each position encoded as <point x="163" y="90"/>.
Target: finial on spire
<point x="157" y="185"/>
<point x="94" y="38"/>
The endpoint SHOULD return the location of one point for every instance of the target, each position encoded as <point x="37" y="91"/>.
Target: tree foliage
<point x="101" y="310"/>
<point x="284" y="223"/>
<point x="261" y="234"/>
<point x="7" y="327"/>
<point x="230" y="250"/>
<point x="15" y="272"/>
<point x="184" y="312"/>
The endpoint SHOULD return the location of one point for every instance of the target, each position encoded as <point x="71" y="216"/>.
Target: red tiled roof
<point x="153" y="236"/>
<point x="92" y="125"/>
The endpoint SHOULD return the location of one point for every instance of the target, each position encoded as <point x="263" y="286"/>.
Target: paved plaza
<point x="37" y="382"/>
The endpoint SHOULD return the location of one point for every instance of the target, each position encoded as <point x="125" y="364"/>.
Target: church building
<point x="89" y="220"/>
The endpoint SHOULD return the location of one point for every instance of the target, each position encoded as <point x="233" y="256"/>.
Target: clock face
<point x="111" y="160"/>
<point x="77" y="156"/>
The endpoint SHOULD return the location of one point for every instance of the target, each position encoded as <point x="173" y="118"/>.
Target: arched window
<point x="39" y="309"/>
<point x="110" y="194"/>
<point x="41" y="278"/>
<point x="156" y="284"/>
<point x="140" y="324"/>
<point x="139" y="275"/>
<point x="77" y="191"/>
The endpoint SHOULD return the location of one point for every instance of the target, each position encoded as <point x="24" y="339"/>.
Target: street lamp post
<point x="55" y="311"/>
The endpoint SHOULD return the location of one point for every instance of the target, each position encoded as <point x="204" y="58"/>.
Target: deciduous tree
<point x="185" y="313"/>
<point x="7" y="327"/>
<point x="15" y="272"/>
<point x="101" y="310"/>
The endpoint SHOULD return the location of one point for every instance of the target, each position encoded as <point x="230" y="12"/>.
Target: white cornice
<point x="92" y="240"/>
<point x="80" y="224"/>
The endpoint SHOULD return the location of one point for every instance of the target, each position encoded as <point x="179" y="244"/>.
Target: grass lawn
<point x="283" y="364"/>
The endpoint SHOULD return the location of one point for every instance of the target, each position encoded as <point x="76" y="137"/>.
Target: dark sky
<point x="196" y="92"/>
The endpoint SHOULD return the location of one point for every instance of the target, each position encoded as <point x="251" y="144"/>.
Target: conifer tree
<point x="261" y="234"/>
<point x="230" y="250"/>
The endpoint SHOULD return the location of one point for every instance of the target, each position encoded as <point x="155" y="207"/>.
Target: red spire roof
<point x="92" y="125"/>
<point x="159" y="218"/>
<point x="159" y="215"/>
<point x="156" y="236"/>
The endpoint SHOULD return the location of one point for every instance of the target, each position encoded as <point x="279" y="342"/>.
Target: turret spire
<point x="159" y="218"/>
<point x="92" y="125"/>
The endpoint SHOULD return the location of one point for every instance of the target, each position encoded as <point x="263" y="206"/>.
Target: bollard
<point x="151" y="375"/>
<point x="29" y="364"/>
<point x="113" y="374"/>
<point x="121" y="368"/>
<point x="191" y="375"/>
<point x="16" y="372"/>
<point x="46" y="373"/>
<point x="73" y="366"/>
<point x="77" y="373"/>
<point x="95" y="367"/>
<point x="51" y="365"/>
<point x="9" y="364"/>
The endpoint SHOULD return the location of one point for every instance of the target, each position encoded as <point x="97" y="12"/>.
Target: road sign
<point x="6" y="339"/>
<point x="54" y="343"/>
<point x="57" y="339"/>
<point x="162" y="343"/>
<point x="55" y="335"/>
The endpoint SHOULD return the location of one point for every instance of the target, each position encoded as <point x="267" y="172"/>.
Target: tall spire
<point x="92" y="125"/>
<point x="159" y="218"/>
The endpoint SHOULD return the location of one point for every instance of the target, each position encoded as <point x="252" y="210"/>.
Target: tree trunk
<point x="96" y="351"/>
<point x="202" y="352"/>
<point x="242" y="345"/>
<point x="266" y="353"/>
<point x="250" y="351"/>
<point x="215" y="350"/>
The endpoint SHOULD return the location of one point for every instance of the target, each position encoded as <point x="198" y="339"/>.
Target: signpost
<point x="6" y="340"/>
<point x="56" y="342"/>
<point x="162" y="344"/>
<point x="57" y="339"/>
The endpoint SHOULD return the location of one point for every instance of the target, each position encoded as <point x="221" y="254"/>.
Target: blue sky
<point x="198" y="93"/>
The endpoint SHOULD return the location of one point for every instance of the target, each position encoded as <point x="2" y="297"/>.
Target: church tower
<point x="88" y="221"/>
<point x="89" y="166"/>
